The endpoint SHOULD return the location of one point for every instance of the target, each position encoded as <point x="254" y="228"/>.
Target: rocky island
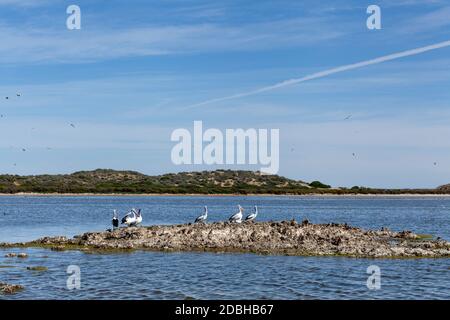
<point x="277" y="238"/>
<point x="9" y="288"/>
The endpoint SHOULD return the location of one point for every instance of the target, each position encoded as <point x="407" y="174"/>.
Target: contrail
<point x="325" y="73"/>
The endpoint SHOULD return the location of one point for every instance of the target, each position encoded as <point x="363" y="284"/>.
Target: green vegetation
<point x="319" y="185"/>
<point x="37" y="268"/>
<point x="104" y="181"/>
<point x="425" y="236"/>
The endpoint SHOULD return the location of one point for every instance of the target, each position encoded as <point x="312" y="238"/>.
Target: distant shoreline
<point x="315" y="195"/>
<point x="218" y="183"/>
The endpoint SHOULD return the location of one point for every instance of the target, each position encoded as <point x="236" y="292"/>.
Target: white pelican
<point x="203" y="217"/>
<point x="253" y="215"/>
<point x="115" y="220"/>
<point x="130" y="218"/>
<point x="237" y="217"/>
<point x="138" y="216"/>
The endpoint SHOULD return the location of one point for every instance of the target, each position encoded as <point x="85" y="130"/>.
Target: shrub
<point x="319" y="185"/>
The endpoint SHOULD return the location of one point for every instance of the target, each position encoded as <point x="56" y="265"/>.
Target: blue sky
<point x="125" y="79"/>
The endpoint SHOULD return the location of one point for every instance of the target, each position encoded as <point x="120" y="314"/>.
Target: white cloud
<point x="434" y="20"/>
<point x="25" y="45"/>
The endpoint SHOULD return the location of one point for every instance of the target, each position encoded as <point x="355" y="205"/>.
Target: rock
<point x="285" y="237"/>
<point x="336" y="241"/>
<point x="51" y="240"/>
<point x="11" y="255"/>
<point x="58" y="248"/>
<point x="9" y="288"/>
<point x="406" y="234"/>
<point x="37" y="268"/>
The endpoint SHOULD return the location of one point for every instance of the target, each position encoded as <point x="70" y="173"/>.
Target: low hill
<point x="104" y="181"/>
<point x="112" y="181"/>
<point x="444" y="189"/>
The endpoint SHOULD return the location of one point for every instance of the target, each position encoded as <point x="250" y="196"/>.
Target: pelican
<point x="130" y="218"/>
<point x="203" y="217"/>
<point x="138" y="216"/>
<point x="253" y="215"/>
<point x="237" y="217"/>
<point x="115" y="220"/>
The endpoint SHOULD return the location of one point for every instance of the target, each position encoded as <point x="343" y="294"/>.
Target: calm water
<point x="219" y="276"/>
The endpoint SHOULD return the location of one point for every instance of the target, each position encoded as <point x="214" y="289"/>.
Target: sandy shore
<point x="277" y="238"/>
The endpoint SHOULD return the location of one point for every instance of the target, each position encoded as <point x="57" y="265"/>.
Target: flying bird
<point x="348" y="117"/>
<point x="72" y="125"/>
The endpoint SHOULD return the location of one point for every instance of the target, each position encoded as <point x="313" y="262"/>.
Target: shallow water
<point x="219" y="276"/>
